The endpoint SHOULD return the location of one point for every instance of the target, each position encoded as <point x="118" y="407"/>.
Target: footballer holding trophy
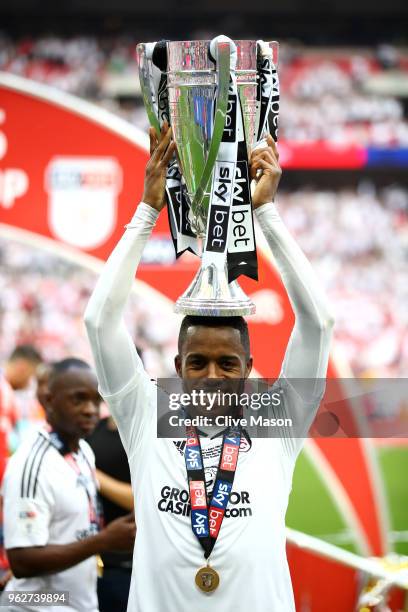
<point x="210" y="507"/>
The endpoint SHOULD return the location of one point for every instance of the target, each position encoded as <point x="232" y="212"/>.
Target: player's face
<point x="213" y="352"/>
<point x="73" y="404"/>
<point x="213" y="358"/>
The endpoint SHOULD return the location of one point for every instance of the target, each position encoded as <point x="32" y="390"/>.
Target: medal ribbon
<point x="207" y="513"/>
<point x="95" y="516"/>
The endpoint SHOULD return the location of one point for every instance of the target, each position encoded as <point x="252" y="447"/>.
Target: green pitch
<point x="312" y="510"/>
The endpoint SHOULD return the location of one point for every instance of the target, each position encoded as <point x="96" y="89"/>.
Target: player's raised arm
<point x="307" y="352"/>
<point x="118" y="366"/>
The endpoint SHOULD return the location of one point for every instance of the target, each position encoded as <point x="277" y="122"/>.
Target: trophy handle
<point x="223" y="69"/>
<point x="145" y="67"/>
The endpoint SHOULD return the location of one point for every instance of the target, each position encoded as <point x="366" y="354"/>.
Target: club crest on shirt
<point x="210" y="476"/>
<point x="27" y="514"/>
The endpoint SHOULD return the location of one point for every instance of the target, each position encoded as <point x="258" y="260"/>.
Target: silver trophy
<point x="220" y="97"/>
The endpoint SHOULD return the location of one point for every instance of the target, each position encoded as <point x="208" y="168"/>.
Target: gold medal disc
<point x="207" y="579"/>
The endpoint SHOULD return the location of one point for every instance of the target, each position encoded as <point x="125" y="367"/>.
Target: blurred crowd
<point x="345" y="97"/>
<point x="42" y="302"/>
<point x="356" y="239"/>
<point x="337" y="95"/>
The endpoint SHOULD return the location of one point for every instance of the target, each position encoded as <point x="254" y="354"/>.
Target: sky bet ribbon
<point x="230" y="232"/>
<point x="207" y="513"/>
<point x="241" y="241"/>
<point x="241" y="244"/>
<point x="268" y="93"/>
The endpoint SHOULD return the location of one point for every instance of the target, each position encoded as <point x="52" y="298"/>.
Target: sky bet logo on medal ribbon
<point x="199" y="523"/>
<point x="197" y="494"/>
<point x="221" y="494"/>
<point x="230" y="454"/>
<point x="192" y="439"/>
<point x="215" y="521"/>
<point x="193" y="458"/>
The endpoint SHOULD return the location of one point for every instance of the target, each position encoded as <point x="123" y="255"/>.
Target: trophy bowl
<point x="207" y="91"/>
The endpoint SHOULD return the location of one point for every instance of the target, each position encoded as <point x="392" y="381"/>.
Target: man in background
<point x="21" y="366"/>
<point x="52" y="528"/>
<point x="20" y="371"/>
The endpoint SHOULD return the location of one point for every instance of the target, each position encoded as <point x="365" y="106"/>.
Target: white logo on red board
<point x="82" y="199"/>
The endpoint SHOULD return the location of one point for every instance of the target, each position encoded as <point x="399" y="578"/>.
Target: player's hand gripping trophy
<point x="221" y="99"/>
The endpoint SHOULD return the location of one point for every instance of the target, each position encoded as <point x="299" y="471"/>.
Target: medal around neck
<point x="207" y="579"/>
<point x="221" y="98"/>
<point x="207" y="511"/>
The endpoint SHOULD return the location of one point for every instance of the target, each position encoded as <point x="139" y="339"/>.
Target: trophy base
<point x="211" y="295"/>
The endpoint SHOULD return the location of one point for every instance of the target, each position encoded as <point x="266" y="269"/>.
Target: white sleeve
<point x="123" y="381"/>
<point x="305" y="363"/>
<point x="26" y="516"/>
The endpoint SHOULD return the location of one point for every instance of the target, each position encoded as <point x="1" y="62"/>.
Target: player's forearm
<point x="308" y="350"/>
<point x="108" y="300"/>
<point x="113" y="349"/>
<point x="52" y="558"/>
<point x="116" y="491"/>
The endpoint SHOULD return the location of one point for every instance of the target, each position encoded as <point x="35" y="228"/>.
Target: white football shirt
<point x="251" y="547"/>
<point x="46" y="502"/>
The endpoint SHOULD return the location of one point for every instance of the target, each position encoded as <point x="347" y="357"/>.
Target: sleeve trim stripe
<point x="31" y="455"/>
<point x="32" y="463"/>
<point x="39" y="449"/>
<point x="38" y="468"/>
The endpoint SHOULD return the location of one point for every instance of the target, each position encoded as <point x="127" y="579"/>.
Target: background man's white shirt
<point x="45" y="503"/>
